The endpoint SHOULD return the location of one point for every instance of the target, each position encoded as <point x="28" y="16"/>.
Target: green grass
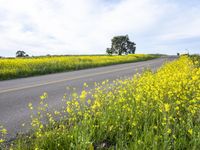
<point x="149" y="111"/>
<point x="196" y="59"/>
<point x="24" y="67"/>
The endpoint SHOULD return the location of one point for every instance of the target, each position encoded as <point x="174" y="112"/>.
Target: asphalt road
<point x="16" y="94"/>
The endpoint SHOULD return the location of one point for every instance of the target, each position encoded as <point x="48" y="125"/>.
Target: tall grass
<point x="149" y="111"/>
<point x="23" y="67"/>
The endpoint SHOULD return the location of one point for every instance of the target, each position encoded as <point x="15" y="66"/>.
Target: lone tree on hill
<point x="121" y="45"/>
<point x="21" y="54"/>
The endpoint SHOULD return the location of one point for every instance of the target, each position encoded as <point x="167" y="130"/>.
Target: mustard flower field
<point x="23" y="67"/>
<point x="149" y="111"/>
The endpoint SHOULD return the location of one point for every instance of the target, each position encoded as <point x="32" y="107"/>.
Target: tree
<point x="130" y="48"/>
<point x="109" y="51"/>
<point x="21" y="54"/>
<point x="120" y="45"/>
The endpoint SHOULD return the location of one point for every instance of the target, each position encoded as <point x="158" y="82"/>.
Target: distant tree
<point x="109" y="51"/>
<point x="130" y="47"/>
<point x="121" y="45"/>
<point x="21" y="54"/>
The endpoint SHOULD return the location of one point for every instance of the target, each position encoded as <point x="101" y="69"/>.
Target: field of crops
<point x="23" y="67"/>
<point x="149" y="111"/>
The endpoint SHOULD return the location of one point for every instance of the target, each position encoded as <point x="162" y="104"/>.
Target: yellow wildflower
<point x="167" y="107"/>
<point x="190" y="131"/>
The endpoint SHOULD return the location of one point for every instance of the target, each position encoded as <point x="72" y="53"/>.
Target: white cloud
<point x="86" y="26"/>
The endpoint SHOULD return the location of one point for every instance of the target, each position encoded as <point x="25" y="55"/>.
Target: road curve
<point x="16" y="94"/>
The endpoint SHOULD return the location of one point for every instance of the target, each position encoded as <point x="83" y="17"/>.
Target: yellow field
<point x="23" y="67"/>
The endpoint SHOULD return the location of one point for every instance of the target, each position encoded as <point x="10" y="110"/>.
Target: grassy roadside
<point x="24" y="67"/>
<point x="150" y="111"/>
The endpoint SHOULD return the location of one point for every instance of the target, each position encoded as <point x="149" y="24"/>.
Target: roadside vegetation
<point x="149" y="111"/>
<point x="196" y="59"/>
<point x="24" y="67"/>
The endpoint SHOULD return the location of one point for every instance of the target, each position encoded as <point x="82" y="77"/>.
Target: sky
<point x="41" y="27"/>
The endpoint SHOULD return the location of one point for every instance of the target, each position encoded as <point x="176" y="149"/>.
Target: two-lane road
<point x="16" y="94"/>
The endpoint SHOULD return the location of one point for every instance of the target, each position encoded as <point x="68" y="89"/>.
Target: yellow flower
<point x="85" y="85"/>
<point x="56" y="112"/>
<point x="83" y="94"/>
<point x="190" y="131"/>
<point x="178" y="102"/>
<point x="41" y="126"/>
<point x="30" y="106"/>
<point x="177" y="108"/>
<point x="4" y="131"/>
<point x="69" y="110"/>
<point x="1" y="140"/>
<point x="89" y="101"/>
<point x="167" y="107"/>
<point x="169" y="131"/>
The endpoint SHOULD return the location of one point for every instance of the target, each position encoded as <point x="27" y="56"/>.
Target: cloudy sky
<point x="42" y="27"/>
